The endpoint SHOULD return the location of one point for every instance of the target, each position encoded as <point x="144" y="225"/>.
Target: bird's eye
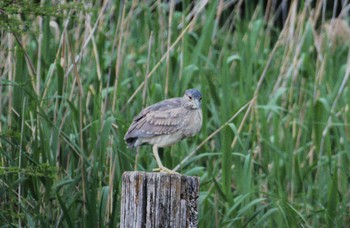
<point x="200" y="99"/>
<point x="190" y="97"/>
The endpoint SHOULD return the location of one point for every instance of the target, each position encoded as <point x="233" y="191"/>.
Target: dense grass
<point x="274" y="150"/>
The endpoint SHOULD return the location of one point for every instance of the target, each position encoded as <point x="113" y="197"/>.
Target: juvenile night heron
<point x="166" y="123"/>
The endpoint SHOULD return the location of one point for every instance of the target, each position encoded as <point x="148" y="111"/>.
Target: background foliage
<point x="274" y="149"/>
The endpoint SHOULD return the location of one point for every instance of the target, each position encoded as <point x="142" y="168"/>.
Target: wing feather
<point x="161" y="118"/>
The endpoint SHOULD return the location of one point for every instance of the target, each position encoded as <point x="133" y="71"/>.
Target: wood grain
<point x="159" y="200"/>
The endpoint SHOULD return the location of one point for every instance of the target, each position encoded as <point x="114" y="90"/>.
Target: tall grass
<point x="274" y="148"/>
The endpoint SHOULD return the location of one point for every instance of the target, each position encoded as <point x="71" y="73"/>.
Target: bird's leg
<point x="155" y="152"/>
<point x="161" y="168"/>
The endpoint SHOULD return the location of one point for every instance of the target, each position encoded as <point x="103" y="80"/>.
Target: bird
<point x="166" y="123"/>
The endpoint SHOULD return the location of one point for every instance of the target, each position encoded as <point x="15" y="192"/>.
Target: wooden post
<point x="159" y="200"/>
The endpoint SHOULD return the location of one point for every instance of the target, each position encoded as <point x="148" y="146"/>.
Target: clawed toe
<point x="164" y="170"/>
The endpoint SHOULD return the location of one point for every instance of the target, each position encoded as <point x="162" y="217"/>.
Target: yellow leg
<point x="161" y="168"/>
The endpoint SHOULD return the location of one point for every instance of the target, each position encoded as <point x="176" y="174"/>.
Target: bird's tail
<point x="131" y="142"/>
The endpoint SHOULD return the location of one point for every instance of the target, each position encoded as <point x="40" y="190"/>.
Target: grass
<point x="274" y="148"/>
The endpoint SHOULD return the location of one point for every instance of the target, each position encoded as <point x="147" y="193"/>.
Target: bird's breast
<point x="194" y="122"/>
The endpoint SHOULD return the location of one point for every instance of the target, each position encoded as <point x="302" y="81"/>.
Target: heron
<point x="166" y="123"/>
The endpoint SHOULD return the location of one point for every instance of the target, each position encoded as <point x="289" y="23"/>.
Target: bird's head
<point x="193" y="99"/>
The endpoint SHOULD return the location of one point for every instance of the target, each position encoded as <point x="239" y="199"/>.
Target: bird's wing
<point x="160" y="106"/>
<point x="164" y="122"/>
<point x="161" y="118"/>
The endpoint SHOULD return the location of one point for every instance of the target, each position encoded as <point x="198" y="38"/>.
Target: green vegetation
<point x="274" y="150"/>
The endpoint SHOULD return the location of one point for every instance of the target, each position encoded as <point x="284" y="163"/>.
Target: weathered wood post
<point x="159" y="200"/>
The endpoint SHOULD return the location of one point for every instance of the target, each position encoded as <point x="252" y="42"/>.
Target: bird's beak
<point x="196" y="104"/>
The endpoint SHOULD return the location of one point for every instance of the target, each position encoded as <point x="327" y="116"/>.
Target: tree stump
<point x="159" y="200"/>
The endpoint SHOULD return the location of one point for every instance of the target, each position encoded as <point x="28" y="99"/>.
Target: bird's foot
<point x="164" y="170"/>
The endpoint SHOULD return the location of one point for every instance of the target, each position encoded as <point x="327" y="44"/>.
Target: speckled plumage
<point x="167" y="122"/>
